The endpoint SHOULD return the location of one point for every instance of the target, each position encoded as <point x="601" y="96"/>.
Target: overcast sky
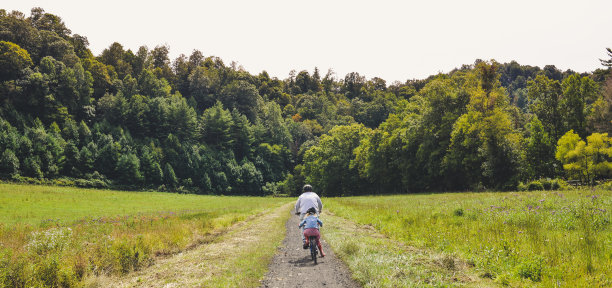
<point x="394" y="40"/>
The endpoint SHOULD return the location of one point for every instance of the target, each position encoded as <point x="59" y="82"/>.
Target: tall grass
<point x="53" y="237"/>
<point x="547" y="239"/>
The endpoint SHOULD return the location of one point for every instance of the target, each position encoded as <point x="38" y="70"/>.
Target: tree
<point x="108" y="156"/>
<point x="484" y="148"/>
<point x="149" y="85"/>
<point x="243" y="96"/>
<point x="275" y="131"/>
<point x="72" y="160"/>
<point x="600" y="149"/>
<point x="539" y="151"/>
<point x="329" y="163"/>
<point x="545" y="97"/>
<point x="607" y="62"/>
<point x="128" y="169"/>
<point x="250" y="180"/>
<point x="303" y="82"/>
<point x="87" y="159"/>
<point x="582" y="161"/>
<point x="9" y="164"/>
<point x="152" y="171"/>
<point x="31" y="167"/>
<point x="161" y="63"/>
<point x="215" y="127"/>
<point x="242" y="135"/>
<point x="100" y="75"/>
<point x="353" y="82"/>
<point x="578" y="93"/>
<point x="13" y="59"/>
<point x="169" y="176"/>
<point x="600" y="116"/>
<point x="203" y="83"/>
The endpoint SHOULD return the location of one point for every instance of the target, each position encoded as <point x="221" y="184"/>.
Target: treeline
<point x="194" y="124"/>
<point x="461" y="131"/>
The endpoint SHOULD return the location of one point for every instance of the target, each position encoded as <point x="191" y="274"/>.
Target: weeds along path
<point x="377" y="261"/>
<point x="237" y="258"/>
<point x="293" y="267"/>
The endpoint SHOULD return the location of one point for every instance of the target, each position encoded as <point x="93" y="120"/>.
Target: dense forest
<point x="139" y="120"/>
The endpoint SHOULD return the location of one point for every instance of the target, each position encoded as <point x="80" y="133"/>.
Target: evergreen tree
<point x="169" y="176"/>
<point x="128" y="169"/>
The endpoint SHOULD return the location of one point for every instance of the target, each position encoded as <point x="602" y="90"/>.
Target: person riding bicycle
<point x="307" y="200"/>
<point x="310" y="225"/>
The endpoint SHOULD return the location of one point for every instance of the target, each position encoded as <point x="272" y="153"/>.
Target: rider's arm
<point x="320" y="222"/>
<point x="297" y="206"/>
<point x="302" y="223"/>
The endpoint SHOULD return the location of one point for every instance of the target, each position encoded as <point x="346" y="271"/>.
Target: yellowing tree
<point x="582" y="161"/>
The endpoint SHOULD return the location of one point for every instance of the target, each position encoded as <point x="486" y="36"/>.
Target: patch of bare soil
<point x="292" y="266"/>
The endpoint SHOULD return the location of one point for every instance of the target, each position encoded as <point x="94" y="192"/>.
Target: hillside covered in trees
<point x="139" y="120"/>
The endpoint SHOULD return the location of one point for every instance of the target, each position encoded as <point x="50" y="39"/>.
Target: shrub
<point x="560" y="184"/>
<point x="47" y="272"/>
<point x="535" y="185"/>
<point x="531" y="269"/>
<point x="13" y="270"/>
<point x="272" y="188"/>
<point x="605" y="186"/>
<point x="130" y="256"/>
<point x="93" y="183"/>
<point x="51" y="240"/>
<point x="458" y="212"/>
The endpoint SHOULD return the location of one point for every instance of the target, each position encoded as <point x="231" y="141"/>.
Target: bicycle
<point x="313" y="248"/>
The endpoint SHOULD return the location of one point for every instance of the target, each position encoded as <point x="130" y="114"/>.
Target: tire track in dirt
<point x="293" y="267"/>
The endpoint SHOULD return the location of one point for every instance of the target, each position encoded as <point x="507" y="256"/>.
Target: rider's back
<point x="308" y="200"/>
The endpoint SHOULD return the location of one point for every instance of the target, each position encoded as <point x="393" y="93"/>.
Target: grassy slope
<point x="96" y="232"/>
<point x="519" y="239"/>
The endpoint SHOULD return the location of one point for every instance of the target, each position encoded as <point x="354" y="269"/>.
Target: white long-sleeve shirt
<point x="306" y="201"/>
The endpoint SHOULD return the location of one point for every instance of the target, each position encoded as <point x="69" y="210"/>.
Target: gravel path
<point x="293" y="267"/>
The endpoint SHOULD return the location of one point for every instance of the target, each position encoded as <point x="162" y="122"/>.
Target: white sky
<point x="394" y="40"/>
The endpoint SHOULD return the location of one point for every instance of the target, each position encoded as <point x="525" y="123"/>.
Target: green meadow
<point x="518" y="239"/>
<point x="38" y="205"/>
<point x="56" y="236"/>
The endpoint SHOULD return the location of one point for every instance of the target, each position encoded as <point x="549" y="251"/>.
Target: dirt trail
<point x="293" y="267"/>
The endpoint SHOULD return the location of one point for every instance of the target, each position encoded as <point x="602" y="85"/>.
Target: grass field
<point x="54" y="236"/>
<point x="548" y="239"/>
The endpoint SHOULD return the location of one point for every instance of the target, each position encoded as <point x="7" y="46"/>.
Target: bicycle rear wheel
<point x="313" y="248"/>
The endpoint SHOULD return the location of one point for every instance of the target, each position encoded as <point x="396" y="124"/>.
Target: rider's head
<point x="311" y="211"/>
<point x="307" y="188"/>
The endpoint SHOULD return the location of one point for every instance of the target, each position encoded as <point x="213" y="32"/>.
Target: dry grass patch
<point x="238" y="258"/>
